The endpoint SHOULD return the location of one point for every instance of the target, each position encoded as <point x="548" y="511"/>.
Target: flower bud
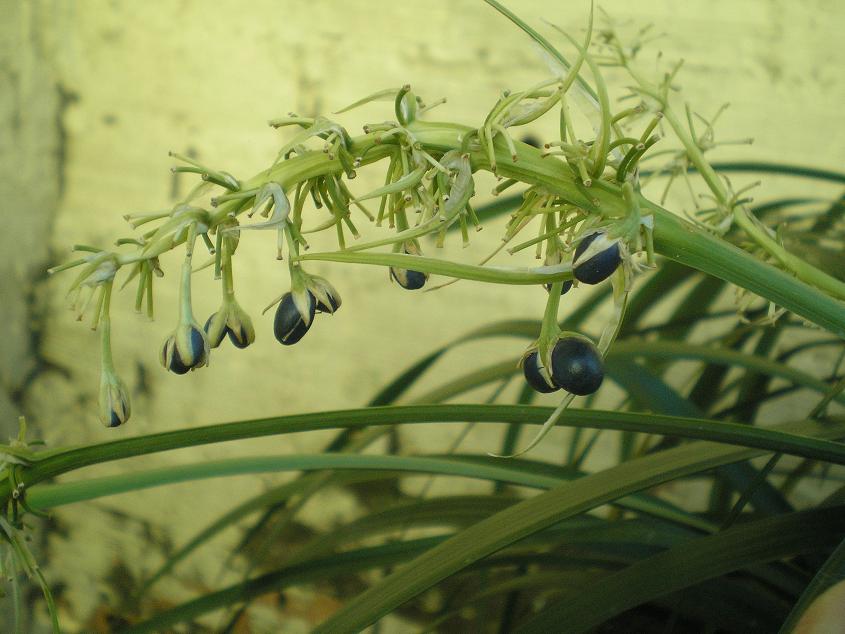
<point x="536" y="375"/>
<point x="230" y="320"/>
<point x="596" y="258"/>
<point x="290" y="323"/>
<point x="186" y="349"/>
<point x="114" y="400"/>
<point x="408" y="278"/>
<point x="215" y="329"/>
<point x="576" y="365"/>
<point x="239" y="327"/>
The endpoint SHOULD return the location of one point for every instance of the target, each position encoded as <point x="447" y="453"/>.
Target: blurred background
<point x="94" y="94"/>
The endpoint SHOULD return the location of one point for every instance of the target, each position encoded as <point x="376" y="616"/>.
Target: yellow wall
<point x="148" y="77"/>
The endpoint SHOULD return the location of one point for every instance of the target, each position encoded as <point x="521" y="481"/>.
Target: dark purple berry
<point x="577" y="366"/>
<point x="567" y="286"/>
<point x="534" y="375"/>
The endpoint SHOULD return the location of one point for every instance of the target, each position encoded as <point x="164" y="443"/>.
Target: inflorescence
<point x="581" y="197"/>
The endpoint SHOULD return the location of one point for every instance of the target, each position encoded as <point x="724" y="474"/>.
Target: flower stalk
<point x="587" y="205"/>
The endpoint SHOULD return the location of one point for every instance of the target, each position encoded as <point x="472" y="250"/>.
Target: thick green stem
<point x="680" y="241"/>
<point x="802" y="269"/>
<point x="675" y="238"/>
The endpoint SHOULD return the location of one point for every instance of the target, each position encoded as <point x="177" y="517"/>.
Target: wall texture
<point x="98" y="92"/>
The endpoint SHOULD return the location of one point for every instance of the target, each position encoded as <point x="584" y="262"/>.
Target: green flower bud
<point x="114" y="399"/>
<point x="408" y="278"/>
<point x="186" y="349"/>
<point x="230" y="320"/>
<point x="292" y="320"/>
<point x="596" y="258"/>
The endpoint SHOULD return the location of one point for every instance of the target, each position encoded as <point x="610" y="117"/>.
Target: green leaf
<point x="271" y="497"/>
<point x="639" y="535"/>
<point x="771" y="439"/>
<point x="533" y="515"/>
<point x="544" y="43"/>
<point x="784" y="169"/>
<point x="678" y="350"/>
<point x="649" y="390"/>
<point x="398" y="386"/>
<point x="641" y="503"/>
<point x="45" y="496"/>
<point x="470" y="381"/>
<point x="704" y="558"/>
<point x="657" y="286"/>
<point x="742" y="607"/>
<point x="452" y="512"/>
<point x="307" y="572"/>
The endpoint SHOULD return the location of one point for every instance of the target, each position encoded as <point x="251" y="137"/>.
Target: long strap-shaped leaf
<point x="774" y="439"/>
<point x="639" y="538"/>
<point x="690" y="563"/>
<point x="308" y="572"/>
<point x="680" y="350"/>
<point x="276" y="495"/>
<point x="626" y="350"/>
<point x="533" y="515"/>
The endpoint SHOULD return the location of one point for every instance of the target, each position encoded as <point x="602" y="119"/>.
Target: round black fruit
<point x="577" y="366"/>
<point x="534" y="375"/>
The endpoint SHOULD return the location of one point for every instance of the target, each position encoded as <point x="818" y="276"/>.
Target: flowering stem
<point x="550" y="330"/>
<point x="673" y="237"/>
<point x="802" y="269"/>
<point x="105" y="330"/>
<point x="228" y="282"/>
<point x="186" y="314"/>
